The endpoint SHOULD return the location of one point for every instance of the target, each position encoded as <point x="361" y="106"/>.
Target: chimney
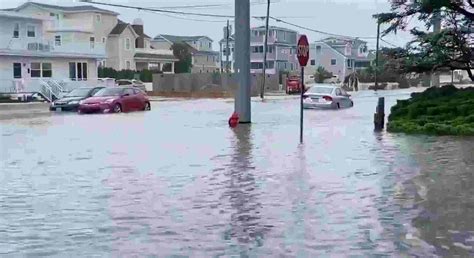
<point x="138" y="28"/>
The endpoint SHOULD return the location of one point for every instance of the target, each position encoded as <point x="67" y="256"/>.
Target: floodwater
<point x="177" y="182"/>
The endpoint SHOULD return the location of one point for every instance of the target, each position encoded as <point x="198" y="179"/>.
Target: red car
<point x="115" y="100"/>
<point x="293" y="85"/>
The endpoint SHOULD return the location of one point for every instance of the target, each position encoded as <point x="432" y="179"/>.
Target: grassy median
<point x="437" y="111"/>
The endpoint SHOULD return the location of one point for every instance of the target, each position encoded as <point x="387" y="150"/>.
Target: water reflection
<point x="246" y="228"/>
<point x="445" y="188"/>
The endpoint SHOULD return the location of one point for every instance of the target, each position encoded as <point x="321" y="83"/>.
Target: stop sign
<point x="303" y="50"/>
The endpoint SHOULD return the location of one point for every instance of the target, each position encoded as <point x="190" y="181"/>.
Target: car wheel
<point x="147" y="106"/>
<point x="352" y="103"/>
<point x="117" y="108"/>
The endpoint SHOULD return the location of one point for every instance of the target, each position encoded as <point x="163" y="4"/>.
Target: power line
<point x="160" y="10"/>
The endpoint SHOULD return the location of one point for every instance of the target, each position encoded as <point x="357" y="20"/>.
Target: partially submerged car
<point x="326" y="97"/>
<point x="116" y="100"/>
<point x="70" y="101"/>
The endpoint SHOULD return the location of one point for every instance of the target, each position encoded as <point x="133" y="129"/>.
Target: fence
<point x="212" y="83"/>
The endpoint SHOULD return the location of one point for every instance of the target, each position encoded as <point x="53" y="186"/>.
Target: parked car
<point x="132" y="83"/>
<point x="293" y="85"/>
<point x="116" y="100"/>
<point x="70" y="101"/>
<point x="326" y="97"/>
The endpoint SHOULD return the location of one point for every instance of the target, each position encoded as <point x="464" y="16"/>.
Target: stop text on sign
<point x="303" y="50"/>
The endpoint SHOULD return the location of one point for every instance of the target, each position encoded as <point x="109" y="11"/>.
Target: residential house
<point x="204" y="59"/>
<point x="129" y="48"/>
<point x="340" y="56"/>
<point x="281" y="53"/>
<point x="101" y="30"/>
<point x="40" y="45"/>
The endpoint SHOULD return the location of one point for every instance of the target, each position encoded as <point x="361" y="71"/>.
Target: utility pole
<point x="265" y="48"/>
<point x="436" y="29"/>
<point x="227" y="52"/>
<point x="377" y="56"/>
<point x="242" y="53"/>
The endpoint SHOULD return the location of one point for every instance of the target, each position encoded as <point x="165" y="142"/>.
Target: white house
<point x="33" y="61"/>
<point x="49" y="48"/>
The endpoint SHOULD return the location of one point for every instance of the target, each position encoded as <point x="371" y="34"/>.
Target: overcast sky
<point x="346" y="17"/>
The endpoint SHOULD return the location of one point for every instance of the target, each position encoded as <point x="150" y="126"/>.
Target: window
<point x="313" y="62"/>
<point x="31" y="31"/>
<point x="210" y="45"/>
<point x="16" y="30"/>
<point x="92" y="42"/>
<point x="104" y="39"/>
<point x="270" y="64"/>
<point x="127" y="44"/>
<point x="16" y="70"/>
<point x="333" y="62"/>
<point x="94" y="91"/>
<point x="52" y="14"/>
<point x="349" y="63"/>
<point x="318" y="49"/>
<point x="127" y="65"/>
<point x="35" y="70"/>
<point x="292" y="66"/>
<point x="57" y="40"/>
<point x="256" y="65"/>
<point x="129" y="92"/>
<point x="98" y="17"/>
<point x="78" y="71"/>
<point x="47" y="70"/>
<point x="338" y="92"/>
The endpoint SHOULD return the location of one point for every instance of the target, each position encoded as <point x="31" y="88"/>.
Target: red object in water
<point x="234" y="120"/>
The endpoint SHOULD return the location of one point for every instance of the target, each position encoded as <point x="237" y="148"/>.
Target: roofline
<point x="331" y="48"/>
<point x="19" y="16"/>
<point x="200" y="37"/>
<point x="67" y="11"/>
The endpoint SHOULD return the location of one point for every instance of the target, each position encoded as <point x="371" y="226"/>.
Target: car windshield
<point x="109" y="92"/>
<point x="123" y="83"/>
<point x="321" y="90"/>
<point x="81" y="92"/>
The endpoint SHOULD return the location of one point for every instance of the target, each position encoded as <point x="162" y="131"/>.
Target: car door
<point x="139" y="100"/>
<point x="339" y="97"/>
<point x="128" y="101"/>
<point x="346" y="99"/>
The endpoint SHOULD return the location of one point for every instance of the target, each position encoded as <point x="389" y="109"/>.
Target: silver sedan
<point x="322" y="96"/>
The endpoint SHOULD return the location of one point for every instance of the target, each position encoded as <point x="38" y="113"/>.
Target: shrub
<point x="440" y="111"/>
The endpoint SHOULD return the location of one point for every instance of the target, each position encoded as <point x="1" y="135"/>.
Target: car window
<point x="320" y="90"/>
<point x="124" y="83"/>
<point x="344" y="93"/>
<point x="338" y="92"/>
<point x="94" y="91"/>
<point x="137" y="91"/>
<point x="129" y="91"/>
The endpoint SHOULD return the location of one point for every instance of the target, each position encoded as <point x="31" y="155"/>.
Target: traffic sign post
<point x="303" y="56"/>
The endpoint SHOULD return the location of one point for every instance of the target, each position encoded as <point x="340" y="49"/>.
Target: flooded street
<point x="176" y="181"/>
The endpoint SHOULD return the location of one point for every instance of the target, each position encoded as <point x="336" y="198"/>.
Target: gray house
<point x="340" y="56"/>
<point x="281" y="54"/>
<point x="204" y="59"/>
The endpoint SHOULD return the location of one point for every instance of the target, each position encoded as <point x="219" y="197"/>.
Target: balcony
<point x="261" y="39"/>
<point x="259" y="56"/>
<point x="46" y="48"/>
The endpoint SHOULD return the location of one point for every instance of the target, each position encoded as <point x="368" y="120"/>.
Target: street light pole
<point x="242" y="54"/>
<point x="227" y="52"/>
<point x="377" y="55"/>
<point x="265" y="49"/>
